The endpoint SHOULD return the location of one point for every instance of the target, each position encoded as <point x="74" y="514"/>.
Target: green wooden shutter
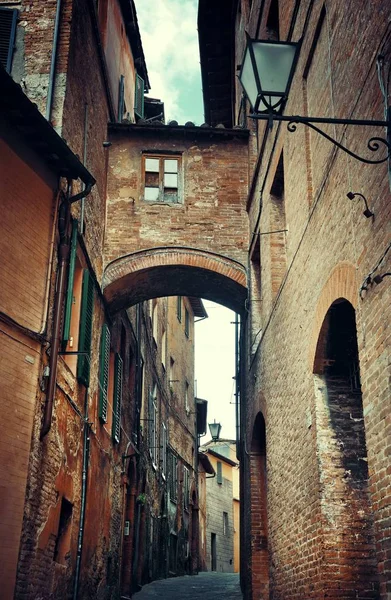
<point x="118" y="366"/>
<point x="104" y="364"/>
<point x="8" y="20"/>
<point x="85" y="329"/>
<point x="71" y="277"/>
<point x="139" y="97"/>
<point x="121" y="98"/>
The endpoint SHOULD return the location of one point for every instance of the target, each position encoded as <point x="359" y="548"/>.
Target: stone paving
<point x="205" y="586"/>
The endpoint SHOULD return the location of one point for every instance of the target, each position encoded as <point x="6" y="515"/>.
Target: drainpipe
<point x="237" y="383"/>
<point x="86" y="454"/>
<point x="62" y="269"/>
<point x="52" y="74"/>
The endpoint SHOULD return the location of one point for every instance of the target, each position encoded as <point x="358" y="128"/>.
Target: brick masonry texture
<point x="209" y="217"/>
<point x="329" y="250"/>
<point x="310" y="529"/>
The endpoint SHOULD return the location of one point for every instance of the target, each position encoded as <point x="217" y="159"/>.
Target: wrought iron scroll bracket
<point x="374" y="143"/>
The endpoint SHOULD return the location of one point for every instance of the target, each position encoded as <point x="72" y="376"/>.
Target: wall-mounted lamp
<point x="367" y="212"/>
<point x="215" y="429"/>
<point x="266" y="75"/>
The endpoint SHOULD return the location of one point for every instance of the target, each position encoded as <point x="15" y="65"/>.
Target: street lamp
<point x="266" y="75"/>
<point x="215" y="429"/>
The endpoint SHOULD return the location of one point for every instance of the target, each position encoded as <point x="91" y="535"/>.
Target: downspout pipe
<point x="62" y="271"/>
<point x="52" y="73"/>
<point x="83" y="499"/>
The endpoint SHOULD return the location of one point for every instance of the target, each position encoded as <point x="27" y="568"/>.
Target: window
<point x="186" y="488"/>
<point x="63" y="541"/>
<point x="104" y="366"/>
<point x="78" y="314"/>
<point x="187" y="407"/>
<point x="171" y="378"/>
<point x="154" y="321"/>
<point x="85" y="330"/>
<point x="219" y="472"/>
<point x="187" y="323"/>
<point x="278" y="225"/>
<point x="121" y="98"/>
<point x="164" y="450"/>
<point x="152" y="420"/>
<point x="139" y="97"/>
<point x="161" y="178"/>
<point x="225" y="523"/>
<point x="272" y="24"/>
<point x="164" y="349"/>
<point x="179" y="308"/>
<point x="173" y="476"/>
<point x="8" y="18"/>
<point x="117" y="398"/>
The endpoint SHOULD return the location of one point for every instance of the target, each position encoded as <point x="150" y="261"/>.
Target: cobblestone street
<point x="205" y="586"/>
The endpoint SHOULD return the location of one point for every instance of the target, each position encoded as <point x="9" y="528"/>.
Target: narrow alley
<point x="207" y="586"/>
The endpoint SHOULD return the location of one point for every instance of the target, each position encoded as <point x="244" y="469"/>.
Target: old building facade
<point x="315" y="429"/>
<point x="254" y="217"/>
<point x="103" y="496"/>
<point x="222" y="502"/>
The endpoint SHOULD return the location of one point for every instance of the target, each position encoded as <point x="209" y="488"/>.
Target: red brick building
<point x="104" y="466"/>
<point x="315" y="424"/>
<point x="252" y="217"/>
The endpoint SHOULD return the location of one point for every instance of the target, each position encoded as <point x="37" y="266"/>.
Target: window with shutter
<point x="118" y="368"/>
<point x="164" y="450"/>
<point x="104" y="365"/>
<point x="186" y="487"/>
<point x="173" y="475"/>
<point x="71" y="279"/>
<point x="8" y="19"/>
<point x="139" y="97"/>
<point x="85" y="329"/>
<point x="121" y="98"/>
<point x="219" y="472"/>
<point x="152" y="421"/>
<point x="187" y="323"/>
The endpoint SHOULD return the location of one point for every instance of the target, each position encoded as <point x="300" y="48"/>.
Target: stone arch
<point x="346" y="518"/>
<point x="174" y="271"/>
<point x="259" y="552"/>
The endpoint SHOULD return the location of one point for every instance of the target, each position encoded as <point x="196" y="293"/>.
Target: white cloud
<point x="169" y="37"/>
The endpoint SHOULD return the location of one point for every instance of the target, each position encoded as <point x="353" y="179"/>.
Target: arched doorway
<point x="259" y="561"/>
<point x="347" y="527"/>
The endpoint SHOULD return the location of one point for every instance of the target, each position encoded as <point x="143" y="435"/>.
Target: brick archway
<point x="175" y="271"/>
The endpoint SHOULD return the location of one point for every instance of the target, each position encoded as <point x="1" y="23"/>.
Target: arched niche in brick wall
<point x="341" y="283"/>
<point x="259" y="551"/>
<point x="175" y="271"/>
<point x="345" y="511"/>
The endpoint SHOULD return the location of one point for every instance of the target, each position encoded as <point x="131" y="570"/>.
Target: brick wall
<point x="211" y="214"/>
<point x="25" y="266"/>
<point x="330" y="249"/>
<point x="27" y="208"/>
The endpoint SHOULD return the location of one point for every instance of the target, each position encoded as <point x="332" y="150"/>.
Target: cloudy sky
<point x="169" y="36"/>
